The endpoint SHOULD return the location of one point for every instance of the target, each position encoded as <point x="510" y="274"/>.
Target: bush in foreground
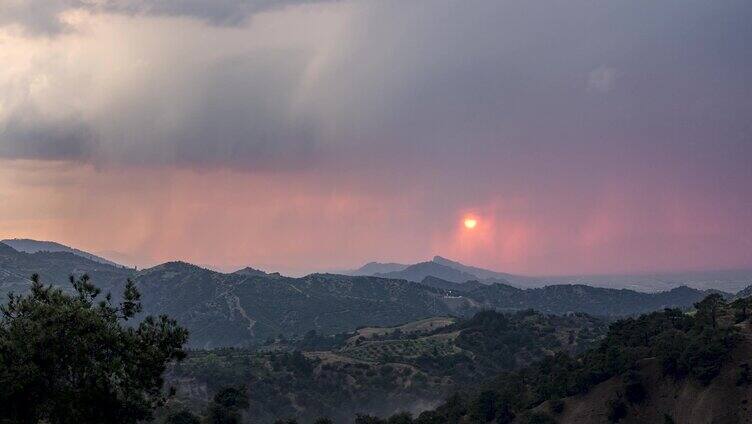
<point x="71" y="358"/>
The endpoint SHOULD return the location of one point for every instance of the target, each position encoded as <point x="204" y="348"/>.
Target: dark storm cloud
<point x="31" y="136"/>
<point x="550" y="73"/>
<point x="216" y="11"/>
<point x="588" y="135"/>
<point x="243" y="119"/>
<point x="548" y="93"/>
<point x="234" y="113"/>
<point x="188" y="107"/>
<point x="481" y="88"/>
<point x="44" y="16"/>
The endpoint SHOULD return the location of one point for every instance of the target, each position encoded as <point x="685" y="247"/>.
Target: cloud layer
<point x="51" y="16"/>
<point x="512" y="108"/>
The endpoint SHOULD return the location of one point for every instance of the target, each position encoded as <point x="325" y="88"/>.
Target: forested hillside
<point x="245" y="308"/>
<point x="379" y="370"/>
<point x="17" y="267"/>
<point x="563" y="298"/>
<point x="239" y="310"/>
<point x="34" y="246"/>
<point x="666" y="366"/>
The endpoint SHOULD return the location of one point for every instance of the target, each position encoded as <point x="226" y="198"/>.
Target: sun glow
<point x="470" y="223"/>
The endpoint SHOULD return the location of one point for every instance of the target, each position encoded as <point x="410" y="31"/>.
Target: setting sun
<point x="470" y="223"/>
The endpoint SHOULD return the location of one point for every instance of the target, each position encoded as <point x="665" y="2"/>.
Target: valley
<point x="244" y="309"/>
<point x="345" y="346"/>
<point x="379" y="370"/>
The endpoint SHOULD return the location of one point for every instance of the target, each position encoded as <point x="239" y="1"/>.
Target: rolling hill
<point x="373" y="268"/>
<point x="488" y="275"/>
<point x="246" y="308"/>
<point x="663" y="367"/>
<point x="379" y="370"/>
<point x="54" y="267"/>
<point x="34" y="246"/>
<point x="445" y="269"/>
<point x="449" y="270"/>
<point x="240" y="310"/>
<point x="563" y="298"/>
<point x="422" y="270"/>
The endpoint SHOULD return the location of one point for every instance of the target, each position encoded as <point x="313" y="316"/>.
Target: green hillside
<point x="381" y="370"/>
<point x="667" y="366"/>
<point x="247" y="308"/>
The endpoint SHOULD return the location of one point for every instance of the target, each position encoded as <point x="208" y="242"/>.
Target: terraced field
<point x="420" y="326"/>
<point x="392" y="350"/>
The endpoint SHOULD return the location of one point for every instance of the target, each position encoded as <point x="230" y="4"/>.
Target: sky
<point x="296" y="136"/>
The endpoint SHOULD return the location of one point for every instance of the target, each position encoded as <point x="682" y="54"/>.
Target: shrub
<point x="557" y="406"/>
<point x="617" y="410"/>
<point x="72" y="358"/>
<point x="634" y="390"/>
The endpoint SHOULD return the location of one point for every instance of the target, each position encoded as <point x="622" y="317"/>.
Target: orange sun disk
<point x="470" y="223"/>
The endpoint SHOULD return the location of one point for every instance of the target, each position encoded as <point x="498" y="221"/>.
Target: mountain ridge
<point x="730" y="280"/>
<point x="34" y="246"/>
<point x="373" y="268"/>
<point x="238" y="309"/>
<point x="421" y="270"/>
<point x="485" y="274"/>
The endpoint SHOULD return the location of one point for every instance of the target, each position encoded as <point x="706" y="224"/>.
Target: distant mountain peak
<point x="373" y="268"/>
<point x="34" y="246"/>
<point x="6" y="248"/>
<point x="488" y="275"/>
<point x="173" y="266"/>
<point x="250" y="272"/>
<point x="421" y="270"/>
<point x="442" y="268"/>
<point x="745" y="292"/>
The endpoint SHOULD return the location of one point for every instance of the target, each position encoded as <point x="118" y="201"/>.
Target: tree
<point x="182" y="416"/>
<point x="743" y="376"/>
<point x="368" y="419"/>
<point x="227" y="405"/>
<point x="634" y="389"/>
<point x="617" y="410"/>
<point x="709" y="308"/>
<point x="483" y="409"/>
<point x="668" y="347"/>
<point x="401" y="418"/>
<point x="232" y="397"/>
<point x="557" y="406"/>
<point x="742" y="306"/>
<point x="540" y="418"/>
<point x="70" y="358"/>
